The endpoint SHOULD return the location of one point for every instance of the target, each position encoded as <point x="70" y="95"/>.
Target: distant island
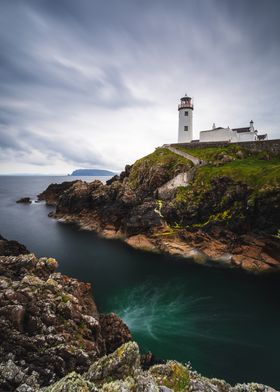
<point x="92" y="172"/>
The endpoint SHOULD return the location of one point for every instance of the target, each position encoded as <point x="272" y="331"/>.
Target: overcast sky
<point x="87" y="83"/>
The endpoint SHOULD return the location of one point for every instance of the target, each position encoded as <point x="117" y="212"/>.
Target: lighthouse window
<point x="186" y="113"/>
<point x="186" y="128"/>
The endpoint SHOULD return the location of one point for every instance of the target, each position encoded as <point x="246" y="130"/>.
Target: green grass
<point x="163" y="157"/>
<point x="172" y="163"/>
<point x="254" y="172"/>
<point x="214" y="154"/>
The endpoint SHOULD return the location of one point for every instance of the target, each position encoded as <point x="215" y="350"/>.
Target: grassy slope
<point x="160" y="158"/>
<point x="206" y="200"/>
<point x="256" y="169"/>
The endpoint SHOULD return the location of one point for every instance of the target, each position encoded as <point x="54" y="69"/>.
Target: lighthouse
<point x="185" y="108"/>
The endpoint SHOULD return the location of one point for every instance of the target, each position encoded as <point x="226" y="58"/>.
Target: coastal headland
<point x="217" y="204"/>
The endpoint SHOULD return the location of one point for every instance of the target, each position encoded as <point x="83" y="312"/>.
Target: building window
<point x="186" y="128"/>
<point x="186" y="113"/>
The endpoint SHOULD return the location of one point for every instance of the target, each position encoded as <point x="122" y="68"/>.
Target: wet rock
<point x="54" y="191"/>
<point x="114" y="331"/>
<point x="11" y="248"/>
<point x="24" y="200"/>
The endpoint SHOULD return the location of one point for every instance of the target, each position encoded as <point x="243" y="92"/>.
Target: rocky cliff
<point x="49" y="323"/>
<point x="227" y="214"/>
<point x="54" y="340"/>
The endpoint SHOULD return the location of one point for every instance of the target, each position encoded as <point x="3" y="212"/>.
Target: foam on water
<point x="159" y="312"/>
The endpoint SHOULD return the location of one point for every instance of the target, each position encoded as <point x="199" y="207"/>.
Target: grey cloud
<point x="65" y="60"/>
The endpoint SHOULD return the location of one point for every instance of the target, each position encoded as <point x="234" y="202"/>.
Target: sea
<point x="225" y="323"/>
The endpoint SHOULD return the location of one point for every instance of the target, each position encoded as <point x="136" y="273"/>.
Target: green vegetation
<point x="234" y="188"/>
<point x="256" y="169"/>
<point x="161" y="165"/>
<point x="222" y="216"/>
<point x="232" y="151"/>
<point x="173" y="375"/>
<point x="252" y="171"/>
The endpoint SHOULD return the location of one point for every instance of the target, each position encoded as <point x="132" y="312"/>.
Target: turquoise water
<point x="226" y="323"/>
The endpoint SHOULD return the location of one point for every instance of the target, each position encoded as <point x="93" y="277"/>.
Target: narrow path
<point x="182" y="179"/>
<point x="196" y="161"/>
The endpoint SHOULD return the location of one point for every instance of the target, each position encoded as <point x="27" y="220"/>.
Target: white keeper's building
<point x="216" y="134"/>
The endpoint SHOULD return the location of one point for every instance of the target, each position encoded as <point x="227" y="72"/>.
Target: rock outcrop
<point x="49" y="323"/>
<point x="121" y="372"/>
<point x="11" y="248"/>
<point x="220" y="218"/>
<point x="24" y="200"/>
<point x="52" y="193"/>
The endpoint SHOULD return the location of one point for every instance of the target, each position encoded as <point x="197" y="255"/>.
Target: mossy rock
<point x="73" y="382"/>
<point x="120" y="364"/>
<point x="172" y="375"/>
<point x="153" y="170"/>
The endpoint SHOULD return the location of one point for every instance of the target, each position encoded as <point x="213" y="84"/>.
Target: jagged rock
<point x="53" y="192"/>
<point x="172" y="375"/>
<point x="120" y="364"/>
<point x="73" y="382"/>
<point x="11" y="248"/>
<point x="113" y="179"/>
<point x="121" y="372"/>
<point x="24" y="200"/>
<point x="114" y="331"/>
<point x="17" y="377"/>
<point x="50" y="322"/>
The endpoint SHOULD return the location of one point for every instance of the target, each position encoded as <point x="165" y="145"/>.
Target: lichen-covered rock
<point x="73" y="382"/>
<point x="17" y="377"/>
<point x="172" y="375"/>
<point x="124" y="362"/>
<point x="121" y="372"/>
<point x="49" y="323"/>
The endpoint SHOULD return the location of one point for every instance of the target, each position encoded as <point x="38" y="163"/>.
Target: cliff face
<point x="227" y="215"/>
<point x="54" y="340"/>
<point x="49" y="323"/>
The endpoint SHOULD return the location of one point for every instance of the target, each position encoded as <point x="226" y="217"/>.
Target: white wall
<point x="246" y="136"/>
<point x="218" y="135"/>
<point x="185" y="136"/>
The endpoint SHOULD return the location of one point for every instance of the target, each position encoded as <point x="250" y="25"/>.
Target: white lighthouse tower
<point x="185" y="109"/>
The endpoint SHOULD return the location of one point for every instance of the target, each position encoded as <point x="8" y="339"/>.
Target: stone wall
<point x="272" y="146"/>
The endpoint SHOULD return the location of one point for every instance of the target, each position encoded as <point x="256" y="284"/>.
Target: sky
<point x="96" y="84"/>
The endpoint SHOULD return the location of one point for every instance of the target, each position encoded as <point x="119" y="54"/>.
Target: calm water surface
<point x="226" y="323"/>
